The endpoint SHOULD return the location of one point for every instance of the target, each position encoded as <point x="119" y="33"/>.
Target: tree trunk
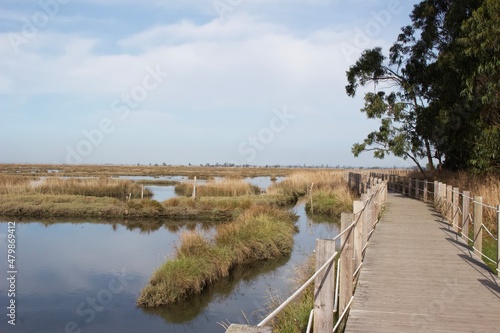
<point x="429" y="154"/>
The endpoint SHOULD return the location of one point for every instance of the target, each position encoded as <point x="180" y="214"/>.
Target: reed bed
<point x="14" y="184"/>
<point x="202" y="172"/>
<point x="260" y="233"/>
<point x="224" y="188"/>
<point x="328" y="190"/>
<point x="96" y="187"/>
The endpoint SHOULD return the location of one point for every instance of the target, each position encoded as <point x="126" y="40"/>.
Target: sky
<point x="188" y="81"/>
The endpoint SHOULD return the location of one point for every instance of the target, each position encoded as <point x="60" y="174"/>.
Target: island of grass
<point x="260" y="233"/>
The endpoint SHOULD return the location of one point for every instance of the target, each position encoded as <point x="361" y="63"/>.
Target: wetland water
<point x="86" y="276"/>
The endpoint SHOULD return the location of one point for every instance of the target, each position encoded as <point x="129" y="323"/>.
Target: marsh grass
<point x="260" y="233"/>
<point x="331" y="202"/>
<point x="330" y="193"/>
<point x="14" y="184"/>
<point x="202" y="172"/>
<point x="225" y="188"/>
<point x="96" y="187"/>
<point x="294" y="318"/>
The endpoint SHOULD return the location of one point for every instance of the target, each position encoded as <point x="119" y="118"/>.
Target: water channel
<point x="85" y="276"/>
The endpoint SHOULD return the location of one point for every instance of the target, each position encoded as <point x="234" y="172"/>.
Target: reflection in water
<point x="145" y="225"/>
<point x="63" y="263"/>
<point x="190" y="308"/>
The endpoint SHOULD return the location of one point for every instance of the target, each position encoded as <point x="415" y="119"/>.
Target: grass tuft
<point x="257" y="234"/>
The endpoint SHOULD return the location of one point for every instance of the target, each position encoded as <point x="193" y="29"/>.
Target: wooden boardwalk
<point x="418" y="276"/>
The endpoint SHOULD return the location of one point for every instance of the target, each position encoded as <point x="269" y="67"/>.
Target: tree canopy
<point x="436" y="92"/>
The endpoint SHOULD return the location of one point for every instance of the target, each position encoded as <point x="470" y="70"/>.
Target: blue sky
<point x="186" y="81"/>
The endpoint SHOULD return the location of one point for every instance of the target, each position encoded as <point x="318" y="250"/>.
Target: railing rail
<point x="356" y="230"/>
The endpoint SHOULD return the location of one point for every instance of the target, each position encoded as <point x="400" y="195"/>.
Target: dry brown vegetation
<point x="96" y="187"/>
<point x="219" y="188"/>
<point x="328" y="193"/>
<point x="201" y="172"/>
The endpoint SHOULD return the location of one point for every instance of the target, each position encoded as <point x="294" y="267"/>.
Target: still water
<point x="84" y="276"/>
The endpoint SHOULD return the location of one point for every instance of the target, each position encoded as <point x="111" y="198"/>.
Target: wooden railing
<point x="464" y="211"/>
<point x="337" y="270"/>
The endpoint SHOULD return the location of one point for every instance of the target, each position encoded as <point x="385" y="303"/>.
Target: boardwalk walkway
<point x="418" y="276"/>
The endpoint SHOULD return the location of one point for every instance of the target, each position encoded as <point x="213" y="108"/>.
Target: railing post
<point x="456" y="199"/>
<point x="436" y="192"/>
<point x="478" y="222"/>
<point x="465" y="215"/>
<point x="346" y="269"/>
<point x="324" y="286"/>
<point x="498" y="240"/>
<point x="449" y="203"/>
<point x="365" y="218"/>
<point x="426" y="190"/>
<point x="358" y="232"/>
<point x="417" y="189"/>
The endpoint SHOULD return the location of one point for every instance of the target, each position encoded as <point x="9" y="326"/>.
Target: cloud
<point x="224" y="80"/>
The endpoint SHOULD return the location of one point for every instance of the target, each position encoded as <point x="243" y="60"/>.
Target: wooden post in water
<point x="465" y="216"/>
<point x="311" y="198"/>
<point x="456" y="199"/>
<point x="324" y="286"/>
<point x="478" y="222"/>
<point x="142" y="191"/>
<point x="193" y="196"/>
<point x="346" y="269"/>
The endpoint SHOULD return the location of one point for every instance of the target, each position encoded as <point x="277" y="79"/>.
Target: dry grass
<point x="201" y="172"/>
<point x="222" y="188"/>
<point x="15" y="184"/>
<point x="329" y="191"/>
<point x="294" y="318"/>
<point x="96" y="187"/>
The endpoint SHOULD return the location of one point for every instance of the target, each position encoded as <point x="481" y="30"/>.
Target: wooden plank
<point x="419" y="276"/>
<point x="324" y="286"/>
<point x="236" y="328"/>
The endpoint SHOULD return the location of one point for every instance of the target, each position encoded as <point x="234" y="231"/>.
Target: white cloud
<point x="247" y="66"/>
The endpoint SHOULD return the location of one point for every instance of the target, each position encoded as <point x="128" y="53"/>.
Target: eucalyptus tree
<point x="428" y="91"/>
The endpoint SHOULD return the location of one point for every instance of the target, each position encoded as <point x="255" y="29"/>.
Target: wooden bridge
<point x="421" y="270"/>
<point x="419" y="275"/>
